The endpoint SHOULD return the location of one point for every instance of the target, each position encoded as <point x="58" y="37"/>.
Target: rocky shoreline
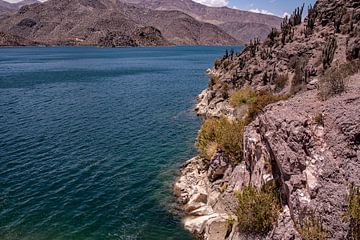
<point x="318" y="181"/>
<point x="308" y="144"/>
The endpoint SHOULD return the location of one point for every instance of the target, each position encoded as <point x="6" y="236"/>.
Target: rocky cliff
<point x="296" y="98"/>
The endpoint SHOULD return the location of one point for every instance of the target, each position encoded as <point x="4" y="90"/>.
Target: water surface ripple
<point x="90" y="139"/>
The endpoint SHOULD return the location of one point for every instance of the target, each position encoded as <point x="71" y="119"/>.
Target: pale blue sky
<point x="276" y="7"/>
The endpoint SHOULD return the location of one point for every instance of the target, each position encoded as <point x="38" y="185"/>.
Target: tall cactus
<point x="285" y="29"/>
<point x="296" y="16"/>
<point x="329" y="52"/>
<point x="338" y="19"/>
<point x="310" y="25"/>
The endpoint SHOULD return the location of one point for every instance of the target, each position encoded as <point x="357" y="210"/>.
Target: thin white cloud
<point x="262" y="11"/>
<point x="213" y="3"/>
<point x="286" y="14"/>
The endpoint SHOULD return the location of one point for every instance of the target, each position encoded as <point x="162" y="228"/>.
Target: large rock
<point x="219" y="163"/>
<point x="315" y="164"/>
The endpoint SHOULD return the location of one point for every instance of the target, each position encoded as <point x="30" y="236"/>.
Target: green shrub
<point x="280" y="82"/>
<point x="256" y="101"/>
<point x="217" y="63"/>
<point x="213" y="81"/>
<point x="224" y="90"/>
<point x="319" y="119"/>
<point x="226" y="63"/>
<point x="227" y="135"/>
<point x="299" y="66"/>
<point x="352" y="213"/>
<point x="333" y="80"/>
<point x="245" y="95"/>
<point x="311" y="228"/>
<point x="263" y="99"/>
<point x="221" y="133"/>
<point x="258" y="210"/>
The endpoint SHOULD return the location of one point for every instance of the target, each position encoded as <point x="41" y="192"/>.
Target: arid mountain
<point x="6" y="7"/>
<point x="242" y="25"/>
<point x="109" y="23"/>
<point x="24" y="3"/>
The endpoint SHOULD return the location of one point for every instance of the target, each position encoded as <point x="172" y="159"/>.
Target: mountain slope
<point x="109" y="23"/>
<point x="242" y="25"/>
<point x="6" y="7"/>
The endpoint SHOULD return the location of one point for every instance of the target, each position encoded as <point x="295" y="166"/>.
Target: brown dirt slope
<point x="109" y="23"/>
<point x="242" y="25"/>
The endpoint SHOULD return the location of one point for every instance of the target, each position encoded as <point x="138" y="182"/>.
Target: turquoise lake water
<point x="91" y="139"/>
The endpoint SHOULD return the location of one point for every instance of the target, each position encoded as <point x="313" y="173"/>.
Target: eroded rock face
<point x="219" y="163"/>
<point x="315" y="163"/>
<point x="310" y="147"/>
<point x="200" y="200"/>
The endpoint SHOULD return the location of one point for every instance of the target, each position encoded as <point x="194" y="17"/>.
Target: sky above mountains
<point x="272" y="7"/>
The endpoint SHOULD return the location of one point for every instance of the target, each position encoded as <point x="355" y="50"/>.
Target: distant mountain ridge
<point x="109" y="23"/>
<point x="242" y="25"/>
<point x="6" y="7"/>
<point x="115" y="23"/>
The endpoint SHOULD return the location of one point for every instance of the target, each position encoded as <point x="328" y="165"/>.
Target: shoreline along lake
<point x="91" y="139"/>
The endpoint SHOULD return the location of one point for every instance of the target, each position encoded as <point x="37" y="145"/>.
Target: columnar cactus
<point x="296" y="16"/>
<point x="329" y="52"/>
<point x="312" y="14"/>
<point x="338" y="19"/>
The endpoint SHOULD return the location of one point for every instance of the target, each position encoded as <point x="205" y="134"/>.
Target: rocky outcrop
<point x="315" y="162"/>
<point x="146" y="36"/>
<point x="8" y="40"/>
<point x="199" y="198"/>
<point x="309" y="145"/>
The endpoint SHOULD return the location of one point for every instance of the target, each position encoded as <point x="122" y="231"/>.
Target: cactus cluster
<point x="310" y="24"/>
<point x="266" y="53"/>
<point x="308" y="72"/>
<point x="287" y="31"/>
<point x="329" y="52"/>
<point x="242" y="63"/>
<point x="271" y="37"/>
<point x="353" y="26"/>
<point x="338" y="19"/>
<point x="254" y="46"/>
<point x="269" y="77"/>
<point x="296" y="16"/>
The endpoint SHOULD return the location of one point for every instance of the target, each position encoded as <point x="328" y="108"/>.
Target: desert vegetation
<point x="352" y="213"/>
<point x="329" y="52"/>
<point x="333" y="81"/>
<point x="281" y="81"/>
<point x="258" y="210"/>
<point x="311" y="228"/>
<point x="221" y="134"/>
